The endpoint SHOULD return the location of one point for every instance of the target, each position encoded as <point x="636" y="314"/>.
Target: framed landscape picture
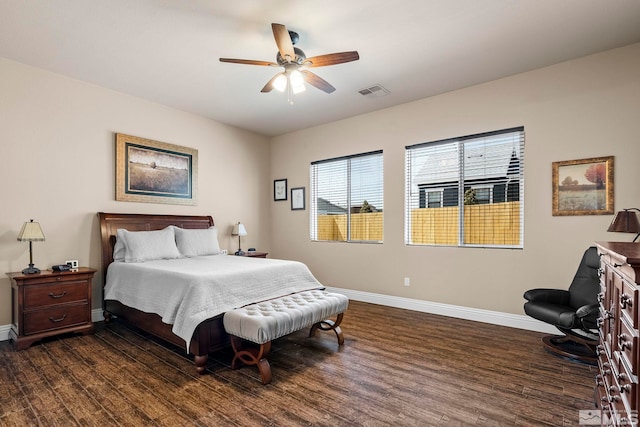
<point x="583" y="187"/>
<point x="155" y="172"/>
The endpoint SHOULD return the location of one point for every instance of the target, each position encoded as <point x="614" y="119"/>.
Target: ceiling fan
<point x="296" y="64"/>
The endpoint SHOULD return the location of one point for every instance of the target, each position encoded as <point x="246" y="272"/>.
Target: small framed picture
<point x="297" y="199"/>
<point x="279" y="190"/>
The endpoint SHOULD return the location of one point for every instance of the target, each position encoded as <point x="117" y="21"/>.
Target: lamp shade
<point x="31" y="232"/>
<point x="239" y="230"/>
<point x="625" y="221"/>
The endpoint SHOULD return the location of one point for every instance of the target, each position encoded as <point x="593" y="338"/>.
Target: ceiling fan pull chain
<point x="289" y="92"/>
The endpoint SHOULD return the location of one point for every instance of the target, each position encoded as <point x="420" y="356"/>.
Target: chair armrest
<point x="555" y="296"/>
<point x="587" y="310"/>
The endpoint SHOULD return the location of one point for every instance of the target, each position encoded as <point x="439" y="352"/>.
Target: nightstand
<point x="49" y="303"/>
<point x="255" y="254"/>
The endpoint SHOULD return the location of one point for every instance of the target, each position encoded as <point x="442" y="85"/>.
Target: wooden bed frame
<point x="209" y="336"/>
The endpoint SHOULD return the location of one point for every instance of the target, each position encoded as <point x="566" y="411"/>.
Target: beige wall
<point x="57" y="166"/>
<point x="579" y="109"/>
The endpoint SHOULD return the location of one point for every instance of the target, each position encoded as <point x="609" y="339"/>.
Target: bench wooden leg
<point x="252" y="356"/>
<point x="329" y="325"/>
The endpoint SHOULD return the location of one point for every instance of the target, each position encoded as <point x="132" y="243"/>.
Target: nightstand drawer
<point x="56" y="318"/>
<point x="56" y="293"/>
<point x="49" y="277"/>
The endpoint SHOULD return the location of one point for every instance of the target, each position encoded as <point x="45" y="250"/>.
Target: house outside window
<point x="347" y="202"/>
<point x="482" y="173"/>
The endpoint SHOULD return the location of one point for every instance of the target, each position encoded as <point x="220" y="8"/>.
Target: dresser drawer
<point x="629" y="303"/>
<point x="627" y="387"/>
<point x="55" y="293"/>
<point x="628" y="346"/>
<point x="56" y="317"/>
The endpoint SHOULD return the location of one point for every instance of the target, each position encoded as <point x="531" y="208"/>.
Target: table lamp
<point x="239" y="230"/>
<point x="31" y="232"/>
<point x="626" y="221"/>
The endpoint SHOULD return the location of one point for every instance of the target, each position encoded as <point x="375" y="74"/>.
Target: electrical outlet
<point x="223" y="252"/>
<point x="407" y="281"/>
<point x="72" y="263"/>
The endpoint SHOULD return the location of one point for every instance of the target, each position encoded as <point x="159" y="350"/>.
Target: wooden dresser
<point x="617" y="390"/>
<point x="49" y="303"/>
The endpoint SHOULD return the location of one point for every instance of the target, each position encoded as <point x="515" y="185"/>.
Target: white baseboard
<point x="475" y="314"/>
<point x="4" y="332"/>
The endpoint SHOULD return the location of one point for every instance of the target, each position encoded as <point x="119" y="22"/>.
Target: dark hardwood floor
<point x="397" y="367"/>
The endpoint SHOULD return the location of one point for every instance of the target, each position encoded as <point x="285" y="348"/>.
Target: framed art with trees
<point x="583" y="187"/>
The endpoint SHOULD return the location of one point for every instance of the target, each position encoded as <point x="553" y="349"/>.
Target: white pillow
<point x="119" y="248"/>
<point x="143" y="246"/>
<point x="197" y="242"/>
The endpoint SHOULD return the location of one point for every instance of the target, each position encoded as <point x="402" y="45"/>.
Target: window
<point x="434" y="198"/>
<point x="347" y="201"/>
<point x="482" y="173"/>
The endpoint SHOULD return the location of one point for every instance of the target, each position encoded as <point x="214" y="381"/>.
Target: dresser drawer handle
<point x="58" y="295"/>
<point x="623" y="342"/>
<point x="625" y="300"/>
<point x="64" y="316"/>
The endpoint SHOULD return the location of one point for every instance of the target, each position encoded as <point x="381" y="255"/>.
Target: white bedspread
<point x="185" y="292"/>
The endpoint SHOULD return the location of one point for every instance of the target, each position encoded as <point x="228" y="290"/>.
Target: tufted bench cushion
<point x="268" y="320"/>
<point x="263" y="322"/>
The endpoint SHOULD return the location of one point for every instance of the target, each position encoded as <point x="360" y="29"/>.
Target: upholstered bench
<point x="263" y="322"/>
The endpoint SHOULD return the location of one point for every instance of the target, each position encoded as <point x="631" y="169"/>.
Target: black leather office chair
<point x="573" y="311"/>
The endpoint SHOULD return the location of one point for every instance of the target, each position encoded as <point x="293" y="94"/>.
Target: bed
<point x="207" y="333"/>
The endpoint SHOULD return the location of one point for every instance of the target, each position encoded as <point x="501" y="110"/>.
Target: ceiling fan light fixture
<point x="297" y="81"/>
<point x="296" y="64"/>
<point x="280" y="83"/>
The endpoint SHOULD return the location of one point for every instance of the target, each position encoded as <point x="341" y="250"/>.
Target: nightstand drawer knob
<point x="58" y="295"/>
<point x="64" y="316"/>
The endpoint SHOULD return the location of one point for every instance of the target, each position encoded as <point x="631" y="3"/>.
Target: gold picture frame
<point x="155" y="172"/>
<point x="583" y="187"/>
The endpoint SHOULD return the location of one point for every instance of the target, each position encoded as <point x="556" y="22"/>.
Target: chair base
<point x="572" y="348"/>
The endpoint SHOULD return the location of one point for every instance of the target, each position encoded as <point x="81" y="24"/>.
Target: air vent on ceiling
<point x="375" y="91"/>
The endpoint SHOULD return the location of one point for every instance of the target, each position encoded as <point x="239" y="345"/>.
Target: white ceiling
<point x="167" y="50"/>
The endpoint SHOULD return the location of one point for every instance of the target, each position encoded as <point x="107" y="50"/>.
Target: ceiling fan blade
<point x="283" y="40"/>
<point x="269" y="86"/>
<point x="332" y="59"/>
<point x="317" y="81"/>
<point x="249" y="62"/>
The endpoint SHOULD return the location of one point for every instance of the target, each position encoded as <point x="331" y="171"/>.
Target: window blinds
<point x="347" y="200"/>
<point x="466" y="191"/>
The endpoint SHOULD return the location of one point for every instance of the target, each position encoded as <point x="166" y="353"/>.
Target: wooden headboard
<point x="111" y="222"/>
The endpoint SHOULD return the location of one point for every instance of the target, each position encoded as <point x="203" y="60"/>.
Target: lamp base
<point x="239" y="252"/>
<point x="31" y="270"/>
